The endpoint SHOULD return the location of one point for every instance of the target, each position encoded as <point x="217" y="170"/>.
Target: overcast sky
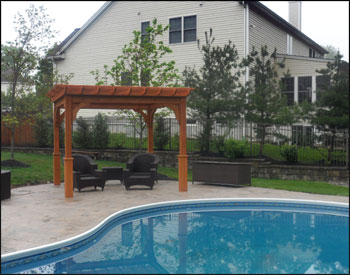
<point x="325" y="22"/>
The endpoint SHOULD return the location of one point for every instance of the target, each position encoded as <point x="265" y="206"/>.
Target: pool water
<point x="222" y="237"/>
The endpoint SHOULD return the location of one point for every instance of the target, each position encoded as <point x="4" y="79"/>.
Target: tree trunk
<point x="262" y="141"/>
<point x="12" y="141"/>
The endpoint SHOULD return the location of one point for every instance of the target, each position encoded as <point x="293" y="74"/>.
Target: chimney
<point x="295" y="14"/>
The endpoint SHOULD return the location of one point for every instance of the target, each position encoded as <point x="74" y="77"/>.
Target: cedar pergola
<point x="144" y="100"/>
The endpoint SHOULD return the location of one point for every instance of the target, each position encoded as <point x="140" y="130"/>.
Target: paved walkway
<point x="38" y="215"/>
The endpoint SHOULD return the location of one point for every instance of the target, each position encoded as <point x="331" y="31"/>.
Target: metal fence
<point x="314" y="146"/>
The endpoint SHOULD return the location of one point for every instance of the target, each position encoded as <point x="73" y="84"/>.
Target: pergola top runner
<point x="144" y="100"/>
<point x="60" y="90"/>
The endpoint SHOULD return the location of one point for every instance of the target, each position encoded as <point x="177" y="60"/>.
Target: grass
<point x="314" y="187"/>
<point x="40" y="171"/>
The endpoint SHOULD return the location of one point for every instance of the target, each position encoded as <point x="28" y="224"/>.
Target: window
<point x="322" y="83"/>
<point x="183" y="29"/>
<point x="175" y="30"/>
<point x="312" y="53"/>
<point x="288" y="89"/>
<point x="126" y="79"/>
<point x="144" y="26"/>
<point x="190" y="28"/>
<point x="304" y="89"/>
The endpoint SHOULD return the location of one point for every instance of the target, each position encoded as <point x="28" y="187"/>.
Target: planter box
<point x="221" y="173"/>
<point x="5" y="184"/>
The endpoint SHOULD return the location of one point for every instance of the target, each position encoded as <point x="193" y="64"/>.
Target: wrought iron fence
<point x="314" y="146"/>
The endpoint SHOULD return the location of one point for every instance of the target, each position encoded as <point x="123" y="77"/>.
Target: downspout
<point x="246" y="37"/>
<point x="246" y="52"/>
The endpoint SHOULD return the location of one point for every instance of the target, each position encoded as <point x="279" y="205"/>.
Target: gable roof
<point x="283" y="24"/>
<point x="256" y="6"/>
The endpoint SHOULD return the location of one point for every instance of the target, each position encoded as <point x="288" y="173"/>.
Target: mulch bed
<point x="13" y="163"/>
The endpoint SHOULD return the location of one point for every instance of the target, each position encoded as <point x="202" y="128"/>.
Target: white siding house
<point x="245" y="23"/>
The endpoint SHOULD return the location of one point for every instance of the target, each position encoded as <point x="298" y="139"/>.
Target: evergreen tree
<point x="100" y="132"/>
<point x="332" y="107"/>
<point x="161" y="133"/>
<point x="82" y="138"/>
<point x="215" y="84"/>
<point x="264" y="103"/>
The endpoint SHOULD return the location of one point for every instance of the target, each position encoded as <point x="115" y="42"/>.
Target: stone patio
<point x="40" y="214"/>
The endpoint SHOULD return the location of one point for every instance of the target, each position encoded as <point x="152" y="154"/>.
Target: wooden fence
<point x="24" y="136"/>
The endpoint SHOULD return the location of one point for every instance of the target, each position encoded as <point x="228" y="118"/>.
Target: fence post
<point x="251" y="140"/>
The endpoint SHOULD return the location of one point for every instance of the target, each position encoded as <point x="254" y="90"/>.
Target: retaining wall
<point x="260" y="169"/>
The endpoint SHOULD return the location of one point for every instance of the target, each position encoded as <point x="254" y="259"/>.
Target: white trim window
<point x="183" y="29"/>
<point x="144" y="26"/>
<point x="289" y="44"/>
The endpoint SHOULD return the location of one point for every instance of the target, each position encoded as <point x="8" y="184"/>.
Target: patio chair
<point x="85" y="173"/>
<point x="141" y="169"/>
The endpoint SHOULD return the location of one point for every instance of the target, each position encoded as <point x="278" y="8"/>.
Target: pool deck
<point x="40" y="214"/>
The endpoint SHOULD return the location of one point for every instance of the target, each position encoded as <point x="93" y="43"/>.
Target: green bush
<point x="100" y="132"/>
<point x="117" y="140"/>
<point x="219" y="144"/>
<point x="235" y="148"/>
<point x="161" y="134"/>
<point x="82" y="137"/>
<point x="289" y="153"/>
<point x="43" y="130"/>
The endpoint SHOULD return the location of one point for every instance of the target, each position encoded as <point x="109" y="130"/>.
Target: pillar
<point x="68" y="160"/>
<point x="182" y="157"/>
<point x="56" y="148"/>
<point x="150" y="137"/>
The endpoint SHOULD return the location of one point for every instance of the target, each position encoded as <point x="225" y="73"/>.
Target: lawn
<point x="40" y="171"/>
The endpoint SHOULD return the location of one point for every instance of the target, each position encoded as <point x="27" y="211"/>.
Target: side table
<point x="114" y="173"/>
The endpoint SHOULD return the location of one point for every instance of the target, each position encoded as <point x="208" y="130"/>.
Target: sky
<point x="325" y="22"/>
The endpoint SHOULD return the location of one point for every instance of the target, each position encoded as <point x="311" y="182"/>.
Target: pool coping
<point x="75" y="239"/>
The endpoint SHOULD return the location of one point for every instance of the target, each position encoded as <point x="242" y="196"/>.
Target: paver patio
<point x="40" y="214"/>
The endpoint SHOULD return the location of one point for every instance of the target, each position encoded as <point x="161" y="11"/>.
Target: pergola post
<point x="68" y="160"/>
<point x="149" y="122"/>
<point x="182" y="157"/>
<point x="56" y="148"/>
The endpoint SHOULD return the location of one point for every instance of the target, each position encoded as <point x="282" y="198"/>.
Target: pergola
<point x="144" y="100"/>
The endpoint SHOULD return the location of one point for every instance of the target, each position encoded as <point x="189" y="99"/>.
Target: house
<point x="246" y="23"/>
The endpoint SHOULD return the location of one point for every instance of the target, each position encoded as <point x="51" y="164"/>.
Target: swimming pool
<point x="203" y="236"/>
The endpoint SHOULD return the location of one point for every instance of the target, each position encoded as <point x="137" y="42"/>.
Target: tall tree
<point x="264" y="103"/>
<point x="332" y="51"/>
<point x="45" y="78"/>
<point x="19" y="59"/>
<point x="332" y="107"/>
<point x="141" y="64"/>
<point x="215" y="84"/>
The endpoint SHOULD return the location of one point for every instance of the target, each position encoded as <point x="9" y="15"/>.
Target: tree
<point x="161" y="136"/>
<point x="82" y="138"/>
<point x="45" y="78"/>
<point x="264" y="103"/>
<point x="332" y="107"/>
<point x="100" y="134"/>
<point x="332" y="51"/>
<point x="18" y="60"/>
<point x="141" y="64"/>
<point x="215" y="84"/>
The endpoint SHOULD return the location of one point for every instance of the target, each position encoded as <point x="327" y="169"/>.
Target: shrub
<point x="43" y="130"/>
<point x="82" y="136"/>
<point x="219" y="144"/>
<point x="235" y="148"/>
<point x="117" y="140"/>
<point x="161" y="133"/>
<point x="100" y="132"/>
<point x="289" y="153"/>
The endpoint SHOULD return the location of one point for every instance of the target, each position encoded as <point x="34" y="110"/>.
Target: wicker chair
<point x="141" y="169"/>
<point x="85" y="173"/>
